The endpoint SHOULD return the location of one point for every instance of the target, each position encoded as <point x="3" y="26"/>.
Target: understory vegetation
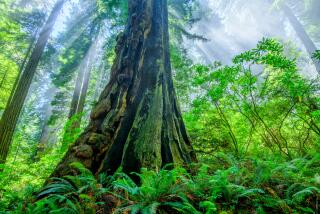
<point x="227" y="185"/>
<point x="253" y="163"/>
<point x="253" y="120"/>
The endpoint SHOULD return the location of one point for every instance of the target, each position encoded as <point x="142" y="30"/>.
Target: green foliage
<point x="254" y="104"/>
<point x="14" y="40"/>
<point x="115" y="10"/>
<point x="163" y="190"/>
<point x="236" y="186"/>
<point x="74" y="194"/>
<point x="255" y="125"/>
<point x="182" y="66"/>
<point x="317" y="55"/>
<point x="17" y="179"/>
<point x="70" y="132"/>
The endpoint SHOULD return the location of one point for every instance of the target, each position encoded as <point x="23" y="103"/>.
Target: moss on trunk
<point x="137" y="121"/>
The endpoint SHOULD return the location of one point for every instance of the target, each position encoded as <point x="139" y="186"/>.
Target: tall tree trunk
<point x="77" y="90"/>
<point x="302" y="34"/>
<point x="84" y="90"/>
<point x="46" y="132"/>
<point x="22" y="66"/>
<point x="11" y="114"/>
<point x="86" y="78"/>
<point x="81" y="88"/>
<point x="137" y="121"/>
<point x="4" y="78"/>
<point x="102" y="74"/>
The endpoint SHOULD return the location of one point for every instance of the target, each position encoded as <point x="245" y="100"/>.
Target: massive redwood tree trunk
<point x="137" y="122"/>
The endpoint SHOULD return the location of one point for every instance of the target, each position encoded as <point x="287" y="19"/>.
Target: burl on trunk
<point x="137" y="121"/>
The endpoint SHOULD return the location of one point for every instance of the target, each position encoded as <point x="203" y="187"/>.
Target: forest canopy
<point x="159" y="106"/>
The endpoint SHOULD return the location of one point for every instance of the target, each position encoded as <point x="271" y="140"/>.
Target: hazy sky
<point x="65" y="14"/>
<point x="230" y="28"/>
<point x="234" y="28"/>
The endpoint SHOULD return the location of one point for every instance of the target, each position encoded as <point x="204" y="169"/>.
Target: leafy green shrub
<point x="254" y="104"/>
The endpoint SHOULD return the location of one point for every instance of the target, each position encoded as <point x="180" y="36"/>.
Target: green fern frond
<point x="303" y="194"/>
<point x="208" y="206"/>
<point x="251" y="192"/>
<point x="151" y="208"/>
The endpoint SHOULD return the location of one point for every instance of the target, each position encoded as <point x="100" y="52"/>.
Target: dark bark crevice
<point x="137" y="122"/>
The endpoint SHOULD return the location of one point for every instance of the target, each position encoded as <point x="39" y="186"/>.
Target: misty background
<point x="234" y="26"/>
<point x="229" y="27"/>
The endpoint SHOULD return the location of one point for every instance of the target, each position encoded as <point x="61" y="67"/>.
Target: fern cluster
<point x="71" y="194"/>
<point x="223" y="185"/>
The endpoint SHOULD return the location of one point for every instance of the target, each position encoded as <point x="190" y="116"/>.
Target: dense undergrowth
<point x="255" y="125"/>
<point x="225" y="185"/>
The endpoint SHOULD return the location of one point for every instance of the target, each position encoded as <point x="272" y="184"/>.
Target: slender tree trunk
<point x="80" y="91"/>
<point x="137" y="121"/>
<point x="82" y="84"/>
<point x="4" y="78"/>
<point x="22" y="66"/>
<point x="302" y="34"/>
<point x="31" y="44"/>
<point x="44" y="139"/>
<point x="84" y="90"/>
<point x="100" y="81"/>
<point x="11" y="114"/>
<point x="86" y="78"/>
<point x="78" y="87"/>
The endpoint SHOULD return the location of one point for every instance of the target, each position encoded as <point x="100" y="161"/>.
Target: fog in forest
<point x="237" y="25"/>
<point x="227" y="90"/>
<point x="230" y="27"/>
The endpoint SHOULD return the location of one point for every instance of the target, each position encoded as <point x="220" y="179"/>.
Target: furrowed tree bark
<point x="137" y="121"/>
<point x="11" y="114"/>
<point x="302" y="34"/>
